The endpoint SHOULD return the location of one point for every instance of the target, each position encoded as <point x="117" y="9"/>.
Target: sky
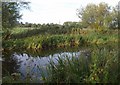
<point x="57" y="11"/>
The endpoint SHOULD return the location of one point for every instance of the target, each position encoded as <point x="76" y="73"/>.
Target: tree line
<point x="101" y="16"/>
<point x="67" y="24"/>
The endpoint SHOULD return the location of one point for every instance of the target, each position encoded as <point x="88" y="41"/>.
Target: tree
<point x="115" y="18"/>
<point x="96" y="16"/>
<point x="11" y="15"/>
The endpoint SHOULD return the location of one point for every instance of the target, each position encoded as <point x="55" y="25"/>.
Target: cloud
<point x="53" y="11"/>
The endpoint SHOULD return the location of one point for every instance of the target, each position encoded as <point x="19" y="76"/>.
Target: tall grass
<point x="63" y="40"/>
<point x="101" y="67"/>
<point x="45" y="42"/>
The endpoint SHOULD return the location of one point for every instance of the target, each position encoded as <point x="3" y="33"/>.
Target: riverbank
<point x="62" y="40"/>
<point x="102" y="65"/>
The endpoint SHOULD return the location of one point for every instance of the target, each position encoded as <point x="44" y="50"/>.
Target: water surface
<point x="30" y="65"/>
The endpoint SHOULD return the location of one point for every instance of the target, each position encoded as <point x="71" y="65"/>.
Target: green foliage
<point x="44" y="42"/>
<point x="11" y="13"/>
<point x="115" y="18"/>
<point x="88" y="37"/>
<point x="10" y="16"/>
<point x="98" y="16"/>
<point x="100" y="67"/>
<point x="19" y="30"/>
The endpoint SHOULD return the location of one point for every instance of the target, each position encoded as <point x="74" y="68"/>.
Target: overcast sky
<point x="57" y="11"/>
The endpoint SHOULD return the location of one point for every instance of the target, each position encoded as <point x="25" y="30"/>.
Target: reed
<point x="101" y="67"/>
<point x="63" y="40"/>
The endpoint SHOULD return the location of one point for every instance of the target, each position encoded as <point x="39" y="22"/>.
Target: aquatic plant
<point x="100" y="67"/>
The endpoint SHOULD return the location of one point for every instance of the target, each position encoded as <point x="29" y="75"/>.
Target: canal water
<point x="34" y="63"/>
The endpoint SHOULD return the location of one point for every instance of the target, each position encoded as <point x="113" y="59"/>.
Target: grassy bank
<point x="48" y="41"/>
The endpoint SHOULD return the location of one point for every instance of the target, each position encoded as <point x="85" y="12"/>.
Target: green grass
<point x="19" y="30"/>
<point x="22" y="32"/>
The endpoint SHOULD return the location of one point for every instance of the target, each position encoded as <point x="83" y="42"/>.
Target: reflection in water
<point x="28" y="65"/>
